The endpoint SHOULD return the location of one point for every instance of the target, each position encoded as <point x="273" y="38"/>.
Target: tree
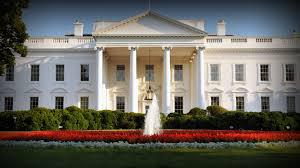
<point x="12" y="32"/>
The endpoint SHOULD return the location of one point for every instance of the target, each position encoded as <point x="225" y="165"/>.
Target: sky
<point x="243" y="17"/>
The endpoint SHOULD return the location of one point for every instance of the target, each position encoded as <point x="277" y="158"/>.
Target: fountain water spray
<point x="152" y="119"/>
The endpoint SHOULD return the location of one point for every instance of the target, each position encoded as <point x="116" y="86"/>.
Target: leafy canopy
<point x="12" y="32"/>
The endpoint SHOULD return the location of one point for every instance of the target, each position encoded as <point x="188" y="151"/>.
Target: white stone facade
<point x="168" y="42"/>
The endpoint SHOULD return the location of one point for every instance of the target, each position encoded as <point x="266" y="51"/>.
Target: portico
<point x="134" y="86"/>
<point x="166" y="42"/>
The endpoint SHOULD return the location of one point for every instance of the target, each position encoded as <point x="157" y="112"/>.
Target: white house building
<point x="113" y="67"/>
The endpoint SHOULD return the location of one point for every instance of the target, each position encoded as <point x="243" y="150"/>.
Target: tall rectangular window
<point x="179" y="104"/>
<point x="120" y="103"/>
<point x="265" y="104"/>
<point x="264" y="72"/>
<point x="120" y="73"/>
<point x="60" y="72"/>
<point x="239" y="72"/>
<point x="8" y="104"/>
<point x="214" y="72"/>
<point x="34" y="102"/>
<point x="149" y="72"/>
<point x="35" y="72"/>
<point x="9" y="73"/>
<point x="178" y="72"/>
<point x="240" y="104"/>
<point x="290" y="72"/>
<point x="291" y="104"/>
<point x="84" y="103"/>
<point x="59" y="102"/>
<point x="214" y="101"/>
<point x="84" y="72"/>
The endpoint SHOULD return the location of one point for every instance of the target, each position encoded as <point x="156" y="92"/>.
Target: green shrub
<point x="196" y="111"/>
<point x="73" y="118"/>
<point x="215" y="110"/>
<point x="108" y="119"/>
<point x="175" y="114"/>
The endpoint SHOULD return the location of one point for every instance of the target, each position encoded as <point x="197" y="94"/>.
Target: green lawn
<point x="186" y="158"/>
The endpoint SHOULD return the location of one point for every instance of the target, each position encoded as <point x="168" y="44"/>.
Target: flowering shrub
<point x="168" y="136"/>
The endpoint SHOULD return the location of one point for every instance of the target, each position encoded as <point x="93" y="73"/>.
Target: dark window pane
<point x="60" y="70"/>
<point x="84" y="72"/>
<point x="8" y="104"/>
<point x="34" y="102"/>
<point x="59" y="102"/>
<point x="35" y="72"/>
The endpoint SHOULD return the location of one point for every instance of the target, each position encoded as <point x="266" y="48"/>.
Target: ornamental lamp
<point x="149" y="95"/>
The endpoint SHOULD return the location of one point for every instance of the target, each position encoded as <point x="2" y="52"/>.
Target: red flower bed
<point x="171" y="136"/>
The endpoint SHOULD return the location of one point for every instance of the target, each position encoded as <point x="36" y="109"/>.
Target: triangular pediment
<point x="149" y="23"/>
<point x="240" y="90"/>
<point x="265" y="90"/>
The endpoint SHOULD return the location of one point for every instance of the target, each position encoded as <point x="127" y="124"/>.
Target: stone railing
<point x="251" y="42"/>
<point x="59" y="42"/>
<point x="210" y="42"/>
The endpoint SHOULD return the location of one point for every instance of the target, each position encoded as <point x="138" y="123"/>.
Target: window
<point x="60" y="69"/>
<point x="84" y="72"/>
<point x="34" y="102"/>
<point x="264" y="72"/>
<point x="9" y="74"/>
<point x="8" y="103"/>
<point x="214" y="72"/>
<point x="214" y="101"/>
<point x="120" y="103"/>
<point x="149" y="72"/>
<point x="84" y="103"/>
<point x="290" y="72"/>
<point x="239" y="72"/>
<point x="120" y="76"/>
<point x="291" y="104"/>
<point x="240" y="104"/>
<point x="35" y="72"/>
<point x="265" y="104"/>
<point x="178" y="73"/>
<point x="178" y="104"/>
<point x="59" y="102"/>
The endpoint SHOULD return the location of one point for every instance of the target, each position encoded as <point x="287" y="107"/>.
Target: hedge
<point x="73" y="118"/>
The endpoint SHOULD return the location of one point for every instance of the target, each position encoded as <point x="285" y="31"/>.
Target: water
<point x="152" y="119"/>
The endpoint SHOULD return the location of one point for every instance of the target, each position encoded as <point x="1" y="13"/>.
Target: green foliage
<point x="216" y="110"/>
<point x="73" y="118"/>
<point x="12" y="32"/>
<point x="196" y="111"/>
<point x="175" y="114"/>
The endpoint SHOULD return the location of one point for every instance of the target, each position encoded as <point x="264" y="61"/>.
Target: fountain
<point x="152" y="119"/>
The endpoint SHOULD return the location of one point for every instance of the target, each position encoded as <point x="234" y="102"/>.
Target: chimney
<point x="78" y="28"/>
<point x="200" y="24"/>
<point x="221" y="29"/>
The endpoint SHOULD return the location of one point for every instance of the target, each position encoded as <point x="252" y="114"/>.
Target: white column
<point x="99" y="78"/>
<point x="133" y="106"/>
<point x="166" y="102"/>
<point x="200" y="93"/>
